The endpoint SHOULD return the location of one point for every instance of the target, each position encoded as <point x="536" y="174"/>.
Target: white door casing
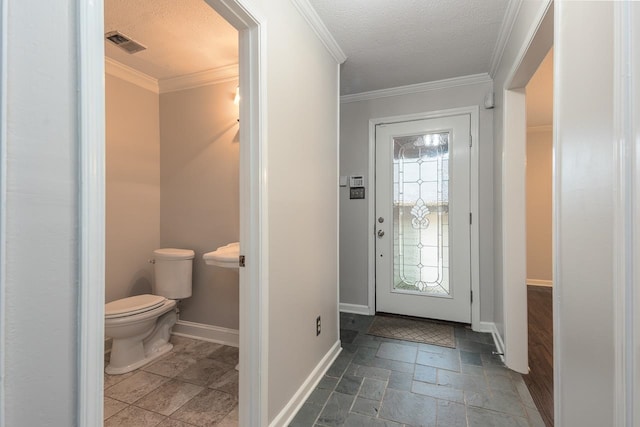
<point x="420" y="282"/>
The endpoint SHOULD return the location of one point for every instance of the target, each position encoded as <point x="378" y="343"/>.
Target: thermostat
<point x="356" y="181"/>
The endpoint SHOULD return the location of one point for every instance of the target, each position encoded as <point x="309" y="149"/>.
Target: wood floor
<point x="540" y="379"/>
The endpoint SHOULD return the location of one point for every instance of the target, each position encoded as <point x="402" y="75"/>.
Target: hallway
<point x="384" y="382"/>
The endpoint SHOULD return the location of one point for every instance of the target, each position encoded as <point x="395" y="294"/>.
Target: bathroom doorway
<point x="248" y="142"/>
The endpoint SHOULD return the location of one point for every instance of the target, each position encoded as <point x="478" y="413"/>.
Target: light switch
<point x="343" y="180"/>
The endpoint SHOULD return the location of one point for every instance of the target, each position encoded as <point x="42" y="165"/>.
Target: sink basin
<point x="225" y="256"/>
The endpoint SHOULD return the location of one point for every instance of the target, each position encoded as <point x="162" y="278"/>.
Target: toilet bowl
<point x="141" y="335"/>
<point x="140" y="326"/>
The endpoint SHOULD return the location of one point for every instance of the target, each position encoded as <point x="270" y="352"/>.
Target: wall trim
<point x="91" y="212"/>
<point x="293" y="406"/>
<point x="131" y="75"/>
<point x="225" y="74"/>
<point x="538" y="282"/>
<point x="3" y="197"/>
<point x="418" y="88"/>
<point x="474" y="203"/>
<point x="354" y="308"/>
<point x="513" y="7"/>
<point x="317" y="25"/>
<point x="625" y="212"/>
<point x="490" y="327"/>
<point x="214" y="76"/>
<point x="200" y="331"/>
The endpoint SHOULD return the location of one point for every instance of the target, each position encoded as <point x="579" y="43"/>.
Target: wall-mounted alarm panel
<point x="356" y="181"/>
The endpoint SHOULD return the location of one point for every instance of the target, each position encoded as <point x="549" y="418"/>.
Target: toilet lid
<point x="133" y="305"/>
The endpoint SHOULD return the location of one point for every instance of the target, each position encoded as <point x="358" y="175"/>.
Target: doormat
<point x="424" y="331"/>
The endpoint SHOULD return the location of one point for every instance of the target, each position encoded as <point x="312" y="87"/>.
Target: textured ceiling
<point x="182" y="37"/>
<point x="540" y="94"/>
<point x="401" y="42"/>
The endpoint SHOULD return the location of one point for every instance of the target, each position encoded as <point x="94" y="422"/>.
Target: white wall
<point x="200" y="210"/>
<point x="132" y="188"/>
<point x="302" y="124"/>
<point x="586" y="241"/>
<point x="40" y="348"/>
<point x="354" y="157"/>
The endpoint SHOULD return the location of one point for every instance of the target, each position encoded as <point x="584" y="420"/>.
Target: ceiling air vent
<point x="124" y="42"/>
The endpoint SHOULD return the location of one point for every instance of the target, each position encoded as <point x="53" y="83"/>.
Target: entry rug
<point x="424" y="331"/>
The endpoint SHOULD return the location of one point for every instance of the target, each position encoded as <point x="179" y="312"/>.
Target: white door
<point x="423" y="250"/>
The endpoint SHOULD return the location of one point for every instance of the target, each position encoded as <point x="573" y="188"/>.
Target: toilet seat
<point x="132" y="305"/>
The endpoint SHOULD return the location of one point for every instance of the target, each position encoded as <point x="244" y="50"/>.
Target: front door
<point x="423" y="250"/>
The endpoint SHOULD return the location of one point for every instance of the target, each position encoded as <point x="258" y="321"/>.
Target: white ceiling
<point x="401" y="42"/>
<point x="540" y="94"/>
<point x="182" y="37"/>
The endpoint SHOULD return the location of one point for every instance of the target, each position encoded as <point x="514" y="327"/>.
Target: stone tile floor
<point x="193" y="385"/>
<point x="383" y="382"/>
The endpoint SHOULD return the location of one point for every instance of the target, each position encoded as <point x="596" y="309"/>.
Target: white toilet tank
<point x="173" y="268"/>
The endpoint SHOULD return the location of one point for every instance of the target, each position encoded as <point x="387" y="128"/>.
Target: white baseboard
<point x="354" y="308"/>
<point x="497" y="339"/>
<point x="536" y="282"/>
<point x="291" y="409"/>
<point x="204" y="332"/>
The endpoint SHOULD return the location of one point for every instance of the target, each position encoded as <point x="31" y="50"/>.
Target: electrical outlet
<point x="318" y="326"/>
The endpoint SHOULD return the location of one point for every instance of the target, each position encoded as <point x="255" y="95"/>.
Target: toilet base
<point x="124" y="369"/>
<point x="151" y="342"/>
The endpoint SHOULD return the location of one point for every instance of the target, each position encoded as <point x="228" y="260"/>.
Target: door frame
<point x="514" y="255"/>
<point x="253" y="210"/>
<point x="474" y="112"/>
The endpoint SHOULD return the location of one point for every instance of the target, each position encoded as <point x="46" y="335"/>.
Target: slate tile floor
<point x="383" y="382"/>
<point x="193" y="385"/>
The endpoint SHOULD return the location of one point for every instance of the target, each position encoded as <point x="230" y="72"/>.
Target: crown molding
<point x="128" y="74"/>
<point x="218" y="75"/>
<point x="506" y="27"/>
<point x="316" y="23"/>
<point x="417" y="88"/>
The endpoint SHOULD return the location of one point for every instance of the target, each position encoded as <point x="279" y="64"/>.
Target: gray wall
<point x="354" y="155"/>
<point x="199" y="206"/>
<point x="41" y="300"/>
<point x="133" y="188"/>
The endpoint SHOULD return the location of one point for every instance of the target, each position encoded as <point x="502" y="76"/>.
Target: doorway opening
<point x="514" y="191"/>
<point x="539" y="173"/>
<point x="253" y="308"/>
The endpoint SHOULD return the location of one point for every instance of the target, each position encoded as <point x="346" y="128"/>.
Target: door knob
<point x="380" y="233"/>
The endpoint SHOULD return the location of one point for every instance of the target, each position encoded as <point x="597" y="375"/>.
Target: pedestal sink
<point x="226" y="257"/>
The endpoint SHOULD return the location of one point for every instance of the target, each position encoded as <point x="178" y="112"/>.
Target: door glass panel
<point x="421" y="214"/>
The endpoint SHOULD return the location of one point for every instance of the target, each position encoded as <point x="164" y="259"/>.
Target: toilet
<point x="140" y="326"/>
